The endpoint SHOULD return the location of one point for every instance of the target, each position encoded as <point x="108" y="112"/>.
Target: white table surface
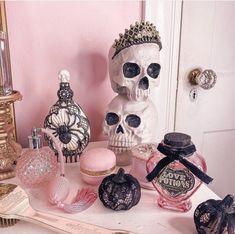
<point x="144" y="218"/>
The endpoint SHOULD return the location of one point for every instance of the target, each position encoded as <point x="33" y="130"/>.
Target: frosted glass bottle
<point x="175" y="183"/>
<point x="37" y="165"/>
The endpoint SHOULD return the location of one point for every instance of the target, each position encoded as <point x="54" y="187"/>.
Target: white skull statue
<point x="134" y="71"/>
<point x="128" y="123"/>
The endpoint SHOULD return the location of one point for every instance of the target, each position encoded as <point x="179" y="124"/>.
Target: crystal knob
<point x="205" y="79"/>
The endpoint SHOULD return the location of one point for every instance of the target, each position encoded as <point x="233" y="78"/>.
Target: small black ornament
<point x="119" y="191"/>
<point x="216" y="216"/>
<point x="67" y="122"/>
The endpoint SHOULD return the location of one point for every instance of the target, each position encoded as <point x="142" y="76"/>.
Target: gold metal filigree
<point x="5" y="189"/>
<point x="9" y="149"/>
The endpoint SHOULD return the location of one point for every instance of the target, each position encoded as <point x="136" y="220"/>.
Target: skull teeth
<point x="118" y="150"/>
<point x="120" y="146"/>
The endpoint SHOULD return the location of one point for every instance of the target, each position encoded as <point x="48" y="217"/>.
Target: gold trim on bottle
<point x="97" y="173"/>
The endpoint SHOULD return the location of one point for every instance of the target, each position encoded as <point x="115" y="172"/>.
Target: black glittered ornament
<point x="67" y="122"/>
<point x="216" y="216"/>
<point x="119" y="191"/>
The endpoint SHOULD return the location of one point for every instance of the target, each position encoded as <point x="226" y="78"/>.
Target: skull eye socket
<point x="131" y="70"/>
<point x="153" y="70"/>
<point x="133" y="121"/>
<point x="112" y="118"/>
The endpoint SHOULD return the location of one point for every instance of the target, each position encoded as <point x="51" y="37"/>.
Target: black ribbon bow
<point x="177" y="154"/>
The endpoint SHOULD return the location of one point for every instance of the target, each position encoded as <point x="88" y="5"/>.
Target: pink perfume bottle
<point x="176" y="171"/>
<point x="37" y="165"/>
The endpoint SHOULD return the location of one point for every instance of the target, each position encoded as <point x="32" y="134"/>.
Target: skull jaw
<point x="121" y="144"/>
<point x="135" y="94"/>
<point x="141" y="95"/>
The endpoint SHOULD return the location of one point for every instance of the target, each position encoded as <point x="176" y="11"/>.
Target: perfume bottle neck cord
<point x="57" y="145"/>
<point x="85" y="197"/>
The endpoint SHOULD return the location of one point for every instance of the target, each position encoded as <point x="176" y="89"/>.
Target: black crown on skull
<point x="143" y="32"/>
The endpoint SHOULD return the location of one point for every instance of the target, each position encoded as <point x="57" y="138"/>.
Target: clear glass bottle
<point x="140" y="155"/>
<point x="175" y="183"/>
<point x="37" y="165"/>
<point x="5" y="67"/>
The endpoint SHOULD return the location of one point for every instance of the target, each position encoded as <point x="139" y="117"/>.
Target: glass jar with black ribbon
<point x="176" y="171"/>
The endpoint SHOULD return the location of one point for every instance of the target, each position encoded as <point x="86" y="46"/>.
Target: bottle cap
<point x="65" y="93"/>
<point x="35" y="140"/>
<point x="64" y="76"/>
<point x="177" y="139"/>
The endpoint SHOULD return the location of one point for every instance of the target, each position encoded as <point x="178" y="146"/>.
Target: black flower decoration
<point x="70" y="127"/>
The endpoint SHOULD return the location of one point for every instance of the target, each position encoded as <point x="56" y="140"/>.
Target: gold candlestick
<point x="9" y="149"/>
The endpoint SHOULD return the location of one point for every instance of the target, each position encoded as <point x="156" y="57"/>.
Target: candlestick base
<point x="9" y="149"/>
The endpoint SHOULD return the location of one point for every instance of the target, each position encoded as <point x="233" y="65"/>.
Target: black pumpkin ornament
<point x="216" y="216"/>
<point x="119" y="191"/>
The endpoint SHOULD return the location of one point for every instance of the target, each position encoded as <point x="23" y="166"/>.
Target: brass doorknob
<point x="205" y="79"/>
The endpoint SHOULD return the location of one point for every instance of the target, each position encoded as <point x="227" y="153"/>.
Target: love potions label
<point x="176" y="182"/>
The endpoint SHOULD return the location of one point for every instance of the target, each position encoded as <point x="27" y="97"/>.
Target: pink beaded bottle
<point x="37" y="165"/>
<point x="176" y="171"/>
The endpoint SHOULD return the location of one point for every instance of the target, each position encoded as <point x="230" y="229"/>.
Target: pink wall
<point x="45" y="37"/>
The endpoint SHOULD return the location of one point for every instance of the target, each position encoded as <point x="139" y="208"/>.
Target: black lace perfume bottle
<point x="67" y="122"/>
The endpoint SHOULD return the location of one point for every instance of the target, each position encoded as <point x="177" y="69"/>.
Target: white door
<point x="200" y="34"/>
<point x="208" y="42"/>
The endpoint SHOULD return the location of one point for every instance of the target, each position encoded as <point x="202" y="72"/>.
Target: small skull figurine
<point x="128" y="123"/>
<point x="134" y="63"/>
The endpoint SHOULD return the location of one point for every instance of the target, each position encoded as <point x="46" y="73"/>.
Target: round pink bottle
<point x="37" y="165"/>
<point x="175" y="182"/>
